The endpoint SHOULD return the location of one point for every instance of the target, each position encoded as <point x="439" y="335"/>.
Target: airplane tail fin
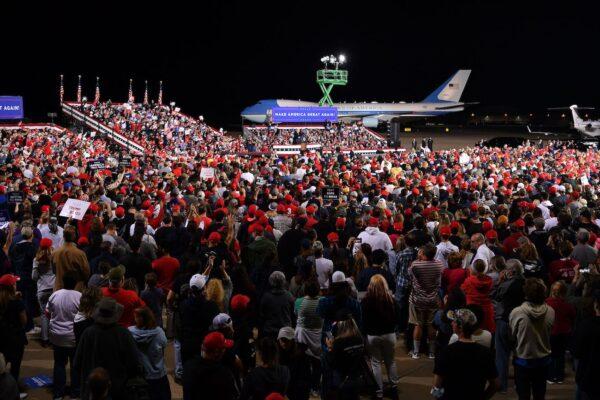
<point x="451" y="90"/>
<point x="577" y="121"/>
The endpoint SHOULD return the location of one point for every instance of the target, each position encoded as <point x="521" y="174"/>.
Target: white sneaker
<point x="23" y="395"/>
<point x="414" y="355"/>
<point x="431" y="356"/>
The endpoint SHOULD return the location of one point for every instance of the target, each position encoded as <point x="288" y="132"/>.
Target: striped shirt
<point x="426" y="278"/>
<point x="306" y="309"/>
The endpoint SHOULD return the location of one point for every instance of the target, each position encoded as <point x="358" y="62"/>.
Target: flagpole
<point x="130" y="97"/>
<point x="79" y="89"/>
<point x="61" y="93"/>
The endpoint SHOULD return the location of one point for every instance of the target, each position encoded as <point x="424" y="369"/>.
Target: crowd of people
<point x="343" y="136"/>
<point x="267" y="286"/>
<point x="162" y="128"/>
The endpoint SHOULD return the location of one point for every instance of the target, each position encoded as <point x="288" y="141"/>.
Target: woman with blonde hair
<point x="215" y="292"/>
<point x="381" y="315"/>
<point x="532" y="264"/>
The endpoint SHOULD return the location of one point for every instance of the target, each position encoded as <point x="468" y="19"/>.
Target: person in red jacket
<point x="477" y="289"/>
<point x="166" y="267"/>
<point x="512" y="241"/>
<point x="564" y="318"/>
<point x="454" y="275"/>
<point x="127" y="298"/>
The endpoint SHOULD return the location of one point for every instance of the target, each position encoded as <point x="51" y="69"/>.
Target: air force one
<point x="445" y="99"/>
<point x="587" y="127"/>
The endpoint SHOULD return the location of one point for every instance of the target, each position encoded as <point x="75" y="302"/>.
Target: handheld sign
<point x="75" y="209"/>
<point x="95" y="165"/>
<point x="125" y="162"/>
<point x="331" y="193"/>
<point x="207" y="173"/>
<point x="15" y="197"/>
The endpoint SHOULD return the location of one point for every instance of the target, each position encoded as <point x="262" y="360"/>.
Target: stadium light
<point x="342" y="58"/>
<point x="84" y="99"/>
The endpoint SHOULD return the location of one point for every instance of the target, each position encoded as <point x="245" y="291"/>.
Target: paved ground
<point x="415" y="383"/>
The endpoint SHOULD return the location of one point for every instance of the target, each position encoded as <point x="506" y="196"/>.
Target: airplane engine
<point x="370" y="122"/>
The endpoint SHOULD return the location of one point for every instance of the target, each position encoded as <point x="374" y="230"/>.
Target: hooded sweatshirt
<point x="151" y="345"/>
<point x="530" y="326"/>
<point x="477" y="289"/>
<point x="377" y="239"/>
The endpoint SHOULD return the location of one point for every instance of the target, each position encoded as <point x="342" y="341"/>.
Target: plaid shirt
<point x="405" y="258"/>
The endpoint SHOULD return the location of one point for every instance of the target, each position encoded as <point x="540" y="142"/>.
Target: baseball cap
<point x="333" y="237"/>
<point x="216" y="341"/>
<point x="491" y="234"/>
<point x="45" y="243"/>
<point x="445" y="231"/>
<point x="286" y="333"/>
<point x="317" y="245"/>
<point x="462" y="317"/>
<point x="221" y="321"/>
<point x="239" y="302"/>
<point x="198" y="281"/>
<point x="214" y="237"/>
<point x="9" y="280"/>
<point x="275" y="396"/>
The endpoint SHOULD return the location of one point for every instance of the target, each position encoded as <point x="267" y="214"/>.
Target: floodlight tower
<point x="327" y="78"/>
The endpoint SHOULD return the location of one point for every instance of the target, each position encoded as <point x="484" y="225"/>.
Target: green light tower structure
<point x="327" y="78"/>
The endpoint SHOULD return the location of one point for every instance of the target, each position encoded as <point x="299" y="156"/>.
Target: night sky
<point x="219" y="57"/>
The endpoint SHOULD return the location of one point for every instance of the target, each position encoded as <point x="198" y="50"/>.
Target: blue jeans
<point x="503" y="350"/>
<point x="178" y="360"/>
<point x="531" y="382"/>
<point x="62" y="355"/>
<point x="159" y="388"/>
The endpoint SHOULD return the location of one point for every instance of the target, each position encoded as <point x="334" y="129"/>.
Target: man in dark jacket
<point x="108" y="345"/>
<point x="587" y="351"/>
<point x="204" y="376"/>
<point x="21" y="256"/>
<point x="136" y="265"/>
<point x="197" y="315"/>
<point x="508" y="295"/>
<point x="260" y="250"/>
<point x="276" y="306"/>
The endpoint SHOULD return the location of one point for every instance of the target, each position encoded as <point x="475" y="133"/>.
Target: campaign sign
<point x="95" y="165"/>
<point x="75" y="209"/>
<point x="125" y="162"/>
<point x="11" y="107"/>
<point x="38" y="381"/>
<point x="331" y="193"/>
<point x="207" y="173"/>
<point x="15" y="197"/>
<point x="304" y="114"/>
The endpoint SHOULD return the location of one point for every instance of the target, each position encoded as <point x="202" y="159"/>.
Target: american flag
<point x="146" y="94"/>
<point x="61" y="93"/>
<point x="79" y="89"/>
<point x="130" y="97"/>
<point x="97" y="95"/>
<point x="160" y="94"/>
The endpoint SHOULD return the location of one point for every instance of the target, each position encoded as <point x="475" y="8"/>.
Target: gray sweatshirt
<point x="530" y="327"/>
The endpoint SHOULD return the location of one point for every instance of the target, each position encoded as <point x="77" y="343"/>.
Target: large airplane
<point x="445" y="99"/>
<point x="586" y="127"/>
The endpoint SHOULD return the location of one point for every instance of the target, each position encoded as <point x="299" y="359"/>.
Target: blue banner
<point x="304" y="114"/>
<point x="11" y="107"/>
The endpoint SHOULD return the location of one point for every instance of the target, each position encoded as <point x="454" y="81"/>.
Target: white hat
<point x="198" y="281"/>
<point x="338" y="276"/>
<point x="221" y="321"/>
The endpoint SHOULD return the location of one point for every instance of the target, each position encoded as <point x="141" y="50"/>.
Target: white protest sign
<point x="207" y="173"/>
<point x="75" y="209"/>
<point x="247" y="176"/>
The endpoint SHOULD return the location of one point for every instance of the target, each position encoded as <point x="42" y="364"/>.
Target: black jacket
<point x="587" y="351"/>
<point x="205" y="379"/>
<point x="196" y="314"/>
<point x="508" y="295"/>
<point x="261" y="382"/>
<point x="276" y="311"/>
<point x="111" y="347"/>
<point x="136" y="266"/>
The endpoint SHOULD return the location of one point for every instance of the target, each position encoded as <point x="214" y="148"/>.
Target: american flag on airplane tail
<point x="160" y="94"/>
<point x="79" y="89"/>
<point x="97" y="95"/>
<point x="146" y="94"/>
<point x="130" y="96"/>
<point x="61" y="93"/>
